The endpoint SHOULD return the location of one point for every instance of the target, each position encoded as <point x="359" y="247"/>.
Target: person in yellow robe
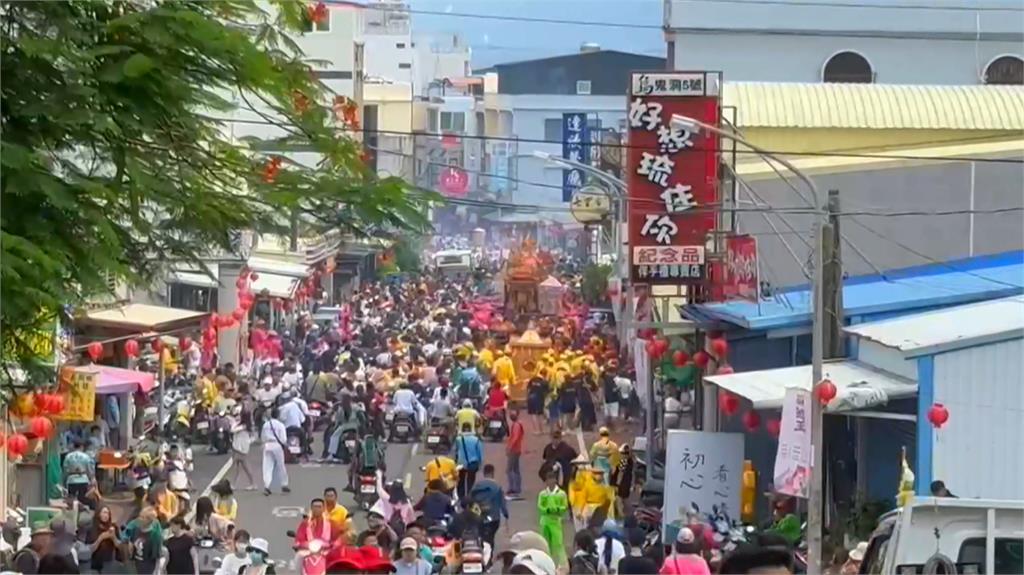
<point x="504" y="372"/>
<point x="588" y="494"/>
<point x="486" y="356"/>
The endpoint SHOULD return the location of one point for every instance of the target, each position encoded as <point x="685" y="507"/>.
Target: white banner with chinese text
<point x="703" y="471"/>
<point x="793" y="459"/>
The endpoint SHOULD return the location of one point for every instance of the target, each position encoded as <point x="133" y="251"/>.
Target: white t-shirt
<point x="264" y="395"/>
<point x="405" y="401"/>
<point x="273" y="434"/>
<point x="232" y="563"/>
<point x="618" y="552"/>
<point x="241" y="440"/>
<point x="625" y="388"/>
<point x="291" y="414"/>
<point x="291" y="379"/>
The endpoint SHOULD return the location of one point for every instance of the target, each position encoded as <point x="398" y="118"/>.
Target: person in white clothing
<point x="406" y="402"/>
<point x="610" y="549"/>
<point x="294" y="413"/>
<point x="273" y="434"/>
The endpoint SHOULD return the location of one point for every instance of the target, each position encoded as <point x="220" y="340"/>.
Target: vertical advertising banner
<point x="702" y="471"/>
<point x="78" y="386"/>
<point x="575" y="137"/>
<point x="672" y="175"/>
<point x="740" y="278"/>
<point x="793" y="459"/>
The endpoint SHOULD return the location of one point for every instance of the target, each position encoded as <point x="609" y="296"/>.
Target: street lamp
<point x="814" y="500"/>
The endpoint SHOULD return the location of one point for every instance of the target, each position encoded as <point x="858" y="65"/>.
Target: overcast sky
<point x="496" y="41"/>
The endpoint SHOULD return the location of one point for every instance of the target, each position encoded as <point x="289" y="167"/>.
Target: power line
<point x="831" y="154"/>
<point x="631" y="26"/>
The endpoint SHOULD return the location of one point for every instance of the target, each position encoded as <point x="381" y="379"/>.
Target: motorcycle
<point x="438" y="438"/>
<point x="494" y="428"/>
<point x="311" y="560"/>
<point x="209" y="555"/>
<point x="200" y="424"/>
<point x="220" y="437"/>
<point x="473" y="556"/>
<point x="437" y="538"/>
<point x="402" y="428"/>
<point x="366" y="491"/>
<point x="293" y="448"/>
<point x="347" y="446"/>
<point x="316" y="411"/>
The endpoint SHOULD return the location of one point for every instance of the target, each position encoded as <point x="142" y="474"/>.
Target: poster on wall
<point x="78" y="386"/>
<point x="575" y="140"/>
<point x="740" y="278"/>
<point x="703" y="471"/>
<point x="672" y="175"/>
<point x="793" y="458"/>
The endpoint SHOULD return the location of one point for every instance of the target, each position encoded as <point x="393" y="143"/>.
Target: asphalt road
<point x="271" y="516"/>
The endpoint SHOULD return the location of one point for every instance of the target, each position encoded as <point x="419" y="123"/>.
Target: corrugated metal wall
<point x="980" y="450"/>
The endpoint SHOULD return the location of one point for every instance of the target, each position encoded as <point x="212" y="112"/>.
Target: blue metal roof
<point x="933" y="285"/>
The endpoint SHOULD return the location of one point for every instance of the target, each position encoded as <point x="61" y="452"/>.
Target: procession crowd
<point x="410" y="351"/>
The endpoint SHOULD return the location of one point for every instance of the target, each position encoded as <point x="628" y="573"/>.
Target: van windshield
<point x="874" y="559"/>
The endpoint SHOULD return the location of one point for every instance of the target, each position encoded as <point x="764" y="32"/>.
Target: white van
<point x="453" y="262"/>
<point x="976" y="535"/>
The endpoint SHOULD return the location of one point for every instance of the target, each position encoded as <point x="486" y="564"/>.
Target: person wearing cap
<point x="409" y="562"/>
<point x="610" y="547"/>
<point x="504" y="370"/>
<point x="27" y="559"/>
<point x="636" y="563"/>
<point x="558" y="456"/>
<point x="259" y="559"/>
<point x="552" y="503"/>
<point x="604" y="454"/>
<point x="853" y="561"/>
<point x="686" y="558"/>
<point x="469" y="455"/>
<point x="376" y="524"/>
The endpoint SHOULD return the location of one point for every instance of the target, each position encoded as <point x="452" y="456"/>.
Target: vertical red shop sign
<point x="673" y="175"/>
<point x="740" y="279"/>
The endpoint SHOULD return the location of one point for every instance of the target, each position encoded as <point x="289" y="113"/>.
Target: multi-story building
<point x="387" y="41"/>
<point x="959" y="42"/>
<point x="523" y="106"/>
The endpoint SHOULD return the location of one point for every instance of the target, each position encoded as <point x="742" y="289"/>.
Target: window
<point x="849" y="68"/>
<point x="1009" y="554"/>
<point x="193" y="298"/>
<point x="323" y="25"/>
<point x="1006" y="70"/>
<point x="583" y="87"/>
<point x="404" y="66"/>
<point x="400" y="45"/>
<point x="453" y="122"/>
<point x="432" y="121"/>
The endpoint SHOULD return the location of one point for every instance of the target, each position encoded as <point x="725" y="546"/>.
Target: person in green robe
<point x="553" y="504"/>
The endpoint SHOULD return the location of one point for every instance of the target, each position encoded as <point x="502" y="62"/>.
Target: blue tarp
<point x="934" y="285"/>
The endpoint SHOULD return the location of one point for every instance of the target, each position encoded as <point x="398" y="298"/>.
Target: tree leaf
<point x="138" y="65"/>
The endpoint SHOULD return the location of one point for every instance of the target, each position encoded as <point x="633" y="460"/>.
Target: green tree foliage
<point x="407" y="253"/>
<point x="116" y="158"/>
<point x="594" y="285"/>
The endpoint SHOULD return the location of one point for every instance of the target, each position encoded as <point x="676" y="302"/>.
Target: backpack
<point x="370" y="452"/>
<point x="583" y="565"/>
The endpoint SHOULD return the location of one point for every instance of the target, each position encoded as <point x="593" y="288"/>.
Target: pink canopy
<point x="119" y="380"/>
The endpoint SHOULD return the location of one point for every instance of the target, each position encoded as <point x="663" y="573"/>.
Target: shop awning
<point x="263" y="265"/>
<point x="859" y="385"/>
<point x="194" y="278"/>
<point x="274" y="285"/>
<point x="119" y="380"/>
<point x="142" y="317"/>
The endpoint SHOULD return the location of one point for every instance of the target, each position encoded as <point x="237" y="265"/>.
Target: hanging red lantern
<point x="724" y="370"/>
<point x="131" y="348"/>
<point x="17" y="445"/>
<point x="679" y="358"/>
<point x="210" y="333"/>
<point x="938" y="415"/>
<point x="652" y="348"/>
<point x="826" y="391"/>
<point x="662" y="346"/>
<point x="244" y="272"/>
<point x="184" y="343"/>
<point x="55" y="405"/>
<point x="241" y="282"/>
<point x="751" y="420"/>
<point x="701" y="359"/>
<point x="40" y="426"/>
<point x="157" y="345"/>
<point x="238" y="314"/>
<point x="773" y="426"/>
<point x="719" y="347"/>
<point x="40" y="401"/>
<point x="95" y="350"/>
<point x="714" y="334"/>
<point x="728" y="403"/>
<point x="254" y="276"/>
<point x="647" y="333"/>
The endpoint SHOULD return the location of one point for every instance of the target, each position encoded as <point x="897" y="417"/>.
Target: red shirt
<point x="316" y="530"/>
<point x="515" y="438"/>
<point x="496" y="398"/>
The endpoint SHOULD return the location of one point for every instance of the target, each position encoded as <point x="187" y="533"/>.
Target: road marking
<point x="287" y="511"/>
<point x="582" y="444"/>
<point x="216" y="479"/>
<point x="415" y="448"/>
<point x="310" y="465"/>
<point x="408" y="479"/>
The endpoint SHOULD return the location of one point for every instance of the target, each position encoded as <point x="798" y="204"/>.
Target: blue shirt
<point x="491" y="498"/>
<point x="78" y="467"/>
<point x="469" y="450"/>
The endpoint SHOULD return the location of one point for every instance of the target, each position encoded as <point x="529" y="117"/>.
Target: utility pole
<point x="833" y="290"/>
<point x="826" y="342"/>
